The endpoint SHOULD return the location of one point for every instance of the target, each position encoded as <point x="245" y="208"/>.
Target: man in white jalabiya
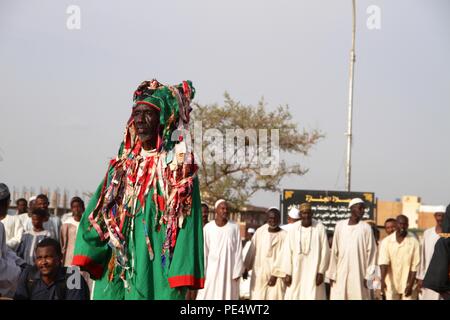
<point x="293" y="217"/>
<point x="244" y="289"/>
<point x="430" y="237"/>
<point x="223" y="257"/>
<point x="306" y="255"/>
<point x="353" y="256"/>
<point x="265" y="249"/>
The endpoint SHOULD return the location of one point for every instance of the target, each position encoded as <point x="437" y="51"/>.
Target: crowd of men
<point x="297" y="261"/>
<point x="36" y="248"/>
<point x="300" y="261"/>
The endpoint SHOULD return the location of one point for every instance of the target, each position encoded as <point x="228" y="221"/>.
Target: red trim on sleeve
<point x="187" y="281"/>
<point x="95" y="269"/>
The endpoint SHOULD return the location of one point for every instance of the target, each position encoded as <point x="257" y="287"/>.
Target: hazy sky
<point x="65" y="95"/>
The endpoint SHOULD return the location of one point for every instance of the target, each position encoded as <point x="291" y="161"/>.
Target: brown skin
<point x="31" y="207"/>
<point x="205" y="214"/>
<point x="306" y="217"/>
<point x="37" y="221"/>
<point x="77" y="210"/>
<point x="42" y="204"/>
<point x="390" y="227"/>
<point x="439" y="217"/>
<point x="356" y="213"/>
<point x="48" y="263"/>
<point x="22" y="207"/>
<point x="146" y="122"/>
<point x="291" y="220"/>
<point x="400" y="235"/>
<point x="221" y="214"/>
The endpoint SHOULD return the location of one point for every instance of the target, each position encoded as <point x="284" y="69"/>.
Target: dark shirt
<point x="58" y="290"/>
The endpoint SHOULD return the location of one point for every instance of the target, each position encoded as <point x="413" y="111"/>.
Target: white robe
<point x="223" y="262"/>
<point x="244" y="287"/>
<point x="265" y="248"/>
<point x="13" y="231"/>
<point x="353" y="257"/>
<point x="53" y="225"/>
<point x="430" y="237"/>
<point x="305" y="254"/>
<point x="9" y="271"/>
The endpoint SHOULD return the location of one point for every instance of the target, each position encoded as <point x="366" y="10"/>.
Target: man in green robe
<point x="141" y="235"/>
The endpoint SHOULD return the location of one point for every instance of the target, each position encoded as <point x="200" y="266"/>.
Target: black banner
<point x="327" y="206"/>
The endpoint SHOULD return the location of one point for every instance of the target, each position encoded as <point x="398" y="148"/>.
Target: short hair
<point x="50" y="242"/>
<point x="77" y="199"/>
<point x="23" y="200"/>
<point x="402" y="216"/>
<point x="42" y="196"/>
<point x="204" y="205"/>
<point x="390" y="220"/>
<point x="39" y="212"/>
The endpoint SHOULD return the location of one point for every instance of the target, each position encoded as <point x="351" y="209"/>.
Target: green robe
<point x="149" y="279"/>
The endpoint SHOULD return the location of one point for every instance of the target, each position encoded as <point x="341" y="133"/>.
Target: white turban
<point x="355" y="201"/>
<point x="32" y="198"/>
<point x="251" y="230"/>
<point x="218" y="202"/>
<point x="294" y="213"/>
<point x="440" y="209"/>
<point x="272" y="208"/>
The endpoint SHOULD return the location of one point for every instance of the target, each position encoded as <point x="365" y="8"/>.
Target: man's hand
<point x="191" y="294"/>
<point x="331" y="283"/>
<point x="287" y="280"/>
<point x="383" y="288"/>
<point x="272" y="281"/>
<point x="419" y="285"/>
<point x="245" y="274"/>
<point x="319" y="279"/>
<point x="408" y="290"/>
<point x="365" y="284"/>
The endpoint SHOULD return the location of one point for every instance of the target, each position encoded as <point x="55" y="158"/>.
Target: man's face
<point x="273" y="219"/>
<point x="390" y="227"/>
<point x="22" y="207"/>
<point x="47" y="260"/>
<point x="205" y="214"/>
<point x="146" y="120"/>
<point x="37" y="221"/>
<point x="77" y="209"/>
<point x="439" y="217"/>
<point x="357" y="211"/>
<point x="306" y="217"/>
<point x="402" y="226"/>
<point x="42" y="204"/>
<point x="222" y="211"/>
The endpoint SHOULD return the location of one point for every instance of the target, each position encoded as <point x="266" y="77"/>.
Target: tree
<point x="237" y="182"/>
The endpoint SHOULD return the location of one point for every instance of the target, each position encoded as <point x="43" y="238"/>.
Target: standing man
<point x="13" y="227"/>
<point x="53" y="222"/>
<point x="437" y="277"/>
<point x="223" y="257"/>
<point x="399" y="260"/>
<point x="265" y="249"/>
<point x="293" y="217"/>
<point x="390" y="225"/>
<point x="353" y="255"/>
<point x="141" y="235"/>
<point x="69" y="230"/>
<point x="205" y="213"/>
<point x="9" y="271"/>
<point x="430" y="237"/>
<point x="306" y="257"/>
<point x="244" y="290"/>
<point x="22" y="206"/>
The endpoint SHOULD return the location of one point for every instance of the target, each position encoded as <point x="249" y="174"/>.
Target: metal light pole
<point x="350" y="104"/>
